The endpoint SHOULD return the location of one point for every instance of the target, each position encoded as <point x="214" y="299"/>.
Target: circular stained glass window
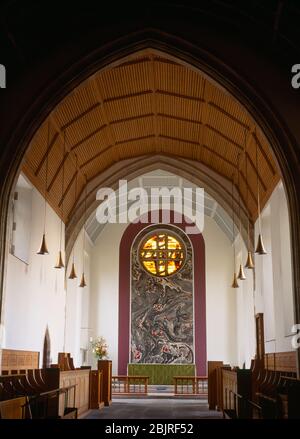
<point x="162" y="253"/>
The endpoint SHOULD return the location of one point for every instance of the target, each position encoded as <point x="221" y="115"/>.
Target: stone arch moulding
<point x="255" y="79"/>
<point x="217" y="187"/>
<point x="198" y="246"/>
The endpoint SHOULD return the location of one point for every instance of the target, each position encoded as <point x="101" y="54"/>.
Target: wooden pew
<point x="215" y="388"/>
<point x="289" y="397"/>
<point x="272" y="393"/>
<point x="13" y="408"/>
<point x="237" y="391"/>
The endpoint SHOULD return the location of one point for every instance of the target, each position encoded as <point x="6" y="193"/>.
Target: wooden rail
<point x="124" y="384"/>
<point x="190" y="385"/>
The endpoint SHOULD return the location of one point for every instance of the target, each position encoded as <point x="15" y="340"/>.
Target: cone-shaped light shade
<point x="260" y="248"/>
<point x="82" y="282"/>
<point x="235" y="282"/>
<point x="59" y="263"/>
<point x="249" y="263"/>
<point x="73" y="274"/>
<point x="43" y="249"/>
<point x="241" y="275"/>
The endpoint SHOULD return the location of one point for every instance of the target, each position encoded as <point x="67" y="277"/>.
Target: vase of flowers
<point x="99" y="348"/>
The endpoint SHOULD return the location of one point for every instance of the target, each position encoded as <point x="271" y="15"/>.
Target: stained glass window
<point x="162" y="253"/>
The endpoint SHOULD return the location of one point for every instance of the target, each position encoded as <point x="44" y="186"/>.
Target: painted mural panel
<point x="162" y="329"/>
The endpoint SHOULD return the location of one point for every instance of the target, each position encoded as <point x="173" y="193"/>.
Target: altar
<point x="161" y="373"/>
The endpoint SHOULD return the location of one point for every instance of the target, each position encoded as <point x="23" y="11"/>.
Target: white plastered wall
<point x="274" y="293"/>
<point x="35" y="293"/>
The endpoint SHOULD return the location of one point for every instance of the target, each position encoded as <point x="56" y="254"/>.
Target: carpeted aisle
<point x="155" y="409"/>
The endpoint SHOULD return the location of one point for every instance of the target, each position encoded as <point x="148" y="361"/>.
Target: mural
<point x="162" y="312"/>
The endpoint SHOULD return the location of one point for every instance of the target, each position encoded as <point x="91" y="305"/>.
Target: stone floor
<point x="152" y="408"/>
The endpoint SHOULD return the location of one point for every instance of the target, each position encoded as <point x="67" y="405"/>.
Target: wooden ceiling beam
<point x="89" y="136"/>
<point x="192" y="142"/>
<point x="127" y="96"/>
<point x="263" y="152"/>
<point x="154" y="103"/>
<point x="179" y="118"/>
<point x="256" y="171"/>
<point x="105" y="117"/>
<point x="162" y="92"/>
<point x="135" y="139"/>
<point x="233" y="165"/>
<point x="120" y="142"/>
<point x="219" y="133"/>
<point x="132" y="118"/>
<point x="73" y="160"/>
<point x="230" y="116"/>
<point x="80" y="116"/>
<point x="99" y="154"/>
<point x="203" y="115"/>
<point x="246" y="154"/>
<point x="178" y="139"/>
<point x="179" y="95"/>
<point x="57" y="172"/>
<point x="252" y="132"/>
<point x="68" y="188"/>
<point x="47" y="152"/>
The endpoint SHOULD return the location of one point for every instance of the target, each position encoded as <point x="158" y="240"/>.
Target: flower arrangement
<point x="99" y="348"/>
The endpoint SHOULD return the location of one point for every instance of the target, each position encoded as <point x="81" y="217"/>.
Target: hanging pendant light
<point x="260" y="248"/>
<point x="83" y="282"/>
<point x="241" y="274"/>
<point x="60" y="264"/>
<point x="249" y="263"/>
<point x="234" y="282"/>
<point x="43" y="248"/>
<point x="73" y="274"/>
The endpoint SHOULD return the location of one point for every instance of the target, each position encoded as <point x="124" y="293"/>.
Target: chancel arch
<point x="127" y="102"/>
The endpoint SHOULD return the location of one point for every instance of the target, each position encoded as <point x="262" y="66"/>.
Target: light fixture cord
<point x="84" y="223"/>
<point x="233" y="228"/>
<point x="257" y="174"/>
<point x="240" y="218"/>
<point x="247" y="194"/>
<point x="62" y="191"/>
<point x="46" y="176"/>
<point x="76" y="170"/>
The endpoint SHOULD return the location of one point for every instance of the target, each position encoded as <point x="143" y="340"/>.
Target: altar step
<point x="160" y="392"/>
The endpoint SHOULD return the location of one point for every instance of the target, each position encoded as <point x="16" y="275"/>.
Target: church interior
<point x="100" y="319"/>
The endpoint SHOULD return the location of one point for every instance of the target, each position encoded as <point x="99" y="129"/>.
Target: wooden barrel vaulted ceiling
<point x="146" y="105"/>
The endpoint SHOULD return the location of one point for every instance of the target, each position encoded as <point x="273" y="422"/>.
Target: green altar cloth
<point x="161" y="373"/>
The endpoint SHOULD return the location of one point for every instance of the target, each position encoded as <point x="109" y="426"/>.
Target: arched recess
<point x="198" y="245"/>
<point x="254" y="77"/>
<point x="215" y="185"/>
